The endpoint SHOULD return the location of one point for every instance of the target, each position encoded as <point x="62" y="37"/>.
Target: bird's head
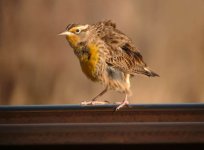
<point x="76" y="34"/>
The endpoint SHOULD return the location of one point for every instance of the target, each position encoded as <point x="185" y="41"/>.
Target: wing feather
<point x="123" y="54"/>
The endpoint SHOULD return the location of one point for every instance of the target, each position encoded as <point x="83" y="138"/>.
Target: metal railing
<point x="75" y="124"/>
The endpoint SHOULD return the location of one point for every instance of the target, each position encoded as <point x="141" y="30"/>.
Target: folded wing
<point x="123" y="55"/>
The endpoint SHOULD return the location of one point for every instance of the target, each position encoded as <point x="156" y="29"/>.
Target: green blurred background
<point x="39" y="67"/>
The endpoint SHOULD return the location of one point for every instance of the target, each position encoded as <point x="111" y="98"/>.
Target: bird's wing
<point x="122" y="53"/>
<point x="126" y="60"/>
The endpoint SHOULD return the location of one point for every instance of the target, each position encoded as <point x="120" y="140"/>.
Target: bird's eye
<point x="78" y="31"/>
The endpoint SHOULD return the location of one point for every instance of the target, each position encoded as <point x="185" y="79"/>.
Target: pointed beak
<point x="65" y="33"/>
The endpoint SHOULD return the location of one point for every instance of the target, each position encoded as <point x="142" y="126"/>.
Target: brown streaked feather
<point x="123" y="54"/>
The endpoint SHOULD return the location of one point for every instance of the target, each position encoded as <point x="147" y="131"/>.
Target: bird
<point x="108" y="56"/>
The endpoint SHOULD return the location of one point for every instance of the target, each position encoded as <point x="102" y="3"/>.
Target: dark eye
<point x="78" y="31"/>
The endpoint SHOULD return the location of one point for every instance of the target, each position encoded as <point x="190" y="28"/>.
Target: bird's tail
<point x="150" y="73"/>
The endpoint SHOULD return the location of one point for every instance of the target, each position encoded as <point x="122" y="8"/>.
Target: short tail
<point x="150" y="73"/>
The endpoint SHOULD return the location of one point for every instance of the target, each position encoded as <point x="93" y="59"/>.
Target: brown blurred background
<point x="39" y="67"/>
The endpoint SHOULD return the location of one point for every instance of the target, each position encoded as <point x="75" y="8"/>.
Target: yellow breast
<point x="88" y="63"/>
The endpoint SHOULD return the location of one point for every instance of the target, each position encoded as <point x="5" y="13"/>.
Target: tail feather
<point x="150" y="73"/>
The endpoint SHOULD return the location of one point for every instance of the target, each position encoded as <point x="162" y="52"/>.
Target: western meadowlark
<point x="106" y="55"/>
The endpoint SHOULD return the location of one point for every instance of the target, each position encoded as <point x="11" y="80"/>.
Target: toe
<point x="99" y="102"/>
<point x="86" y="103"/>
<point x="122" y="105"/>
<point x="119" y="107"/>
<point x="94" y="102"/>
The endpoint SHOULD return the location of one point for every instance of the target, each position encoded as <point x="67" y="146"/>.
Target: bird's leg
<point x="124" y="103"/>
<point x="94" y="100"/>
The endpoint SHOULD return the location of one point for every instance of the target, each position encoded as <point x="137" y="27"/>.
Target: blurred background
<point x="39" y="67"/>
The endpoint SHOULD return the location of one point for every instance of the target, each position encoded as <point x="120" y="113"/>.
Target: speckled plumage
<point x="107" y="55"/>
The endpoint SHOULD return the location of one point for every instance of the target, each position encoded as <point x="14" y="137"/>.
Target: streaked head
<point x="76" y="34"/>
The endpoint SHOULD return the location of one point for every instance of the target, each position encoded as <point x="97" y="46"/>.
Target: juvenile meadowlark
<point x="106" y="55"/>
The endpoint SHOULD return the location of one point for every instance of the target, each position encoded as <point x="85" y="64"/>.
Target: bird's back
<point x="122" y="54"/>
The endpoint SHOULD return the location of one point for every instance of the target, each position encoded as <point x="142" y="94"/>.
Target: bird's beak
<point x="65" y="33"/>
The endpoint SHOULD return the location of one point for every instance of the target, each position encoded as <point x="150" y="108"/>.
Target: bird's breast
<point x="89" y="61"/>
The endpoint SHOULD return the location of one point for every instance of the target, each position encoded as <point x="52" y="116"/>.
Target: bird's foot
<point x="94" y="102"/>
<point x="122" y="104"/>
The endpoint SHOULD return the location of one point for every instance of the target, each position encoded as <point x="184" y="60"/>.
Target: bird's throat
<point x="73" y="40"/>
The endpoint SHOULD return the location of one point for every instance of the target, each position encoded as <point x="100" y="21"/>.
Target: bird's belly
<point x="118" y="80"/>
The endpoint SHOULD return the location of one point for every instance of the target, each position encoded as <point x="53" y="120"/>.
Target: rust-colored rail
<point x="75" y="124"/>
